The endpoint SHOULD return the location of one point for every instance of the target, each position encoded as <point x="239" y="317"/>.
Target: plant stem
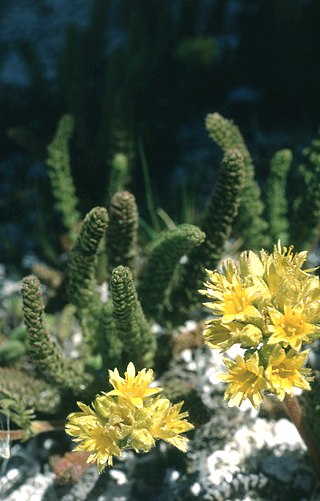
<point x="294" y="411"/>
<point x="36" y="428"/>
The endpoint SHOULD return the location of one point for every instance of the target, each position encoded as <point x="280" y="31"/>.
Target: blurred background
<point x="143" y="74"/>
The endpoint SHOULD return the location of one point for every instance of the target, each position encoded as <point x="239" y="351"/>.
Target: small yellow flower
<point x="246" y="380"/>
<point x="290" y="328"/>
<point x="284" y="371"/>
<point x="286" y="281"/>
<point x="250" y="336"/>
<point x="96" y="435"/>
<point x="222" y="336"/>
<point x="132" y="387"/>
<point x="127" y="418"/>
<point x="250" y="265"/>
<point x="234" y="301"/>
<point x="168" y="423"/>
<point x="141" y="440"/>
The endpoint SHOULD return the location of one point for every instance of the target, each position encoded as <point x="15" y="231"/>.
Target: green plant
<point x="306" y="207"/>
<point x="266" y="215"/>
<point x="118" y="329"/>
<point x="60" y="176"/>
<point x="268" y="305"/>
<point x="276" y="202"/>
<point x="156" y="283"/>
<point x="250" y="224"/>
<point x="216" y="224"/>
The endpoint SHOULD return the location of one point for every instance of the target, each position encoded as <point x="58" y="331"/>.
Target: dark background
<point x="157" y="67"/>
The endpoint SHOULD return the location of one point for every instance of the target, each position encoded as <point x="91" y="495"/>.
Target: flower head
<point x="246" y="380"/>
<point x="290" y="328"/>
<point x="222" y="336"/>
<point x="95" y="434"/>
<point x="127" y="417"/>
<point x="132" y="387"/>
<point x="285" y="371"/>
<point x="233" y="300"/>
<point x="168" y="423"/>
<point x="270" y="306"/>
<point x="287" y="282"/>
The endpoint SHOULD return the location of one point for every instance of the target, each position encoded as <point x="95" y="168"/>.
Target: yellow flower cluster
<point x="128" y="417"/>
<point x="271" y="307"/>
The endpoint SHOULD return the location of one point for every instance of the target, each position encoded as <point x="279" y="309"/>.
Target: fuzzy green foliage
<point x="217" y="224"/>
<point x="110" y="341"/>
<point x="306" y="210"/>
<point x="276" y="202"/>
<point x="162" y="264"/>
<point x="250" y="225"/>
<point x="18" y="384"/>
<point x="21" y="395"/>
<point x="45" y="353"/>
<point x="83" y="257"/>
<point x="12" y="331"/>
<point x="122" y="232"/>
<point x="20" y="412"/>
<point x="223" y="206"/>
<point x="117" y="331"/>
<point x="60" y="175"/>
<point x="131" y="323"/>
<point x="81" y="271"/>
<point x="160" y="283"/>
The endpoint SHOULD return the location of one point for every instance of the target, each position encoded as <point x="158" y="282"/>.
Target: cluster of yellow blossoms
<point x="127" y="417"/>
<point x="271" y="307"/>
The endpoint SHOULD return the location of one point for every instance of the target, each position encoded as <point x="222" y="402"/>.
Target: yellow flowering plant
<point x="127" y="417"/>
<point x="270" y="306"/>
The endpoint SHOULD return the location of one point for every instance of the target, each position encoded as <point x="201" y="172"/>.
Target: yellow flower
<point x="284" y="371"/>
<point x="168" y="423"/>
<point x="229" y="270"/>
<point x="95" y="434"/>
<point x="250" y="336"/>
<point x="126" y="418"/>
<point x="268" y="304"/>
<point x="222" y="336"/>
<point x="287" y="282"/>
<point x="290" y="328"/>
<point x="234" y="301"/>
<point x="141" y="440"/>
<point x="246" y="380"/>
<point x="250" y="265"/>
<point x="132" y="387"/>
